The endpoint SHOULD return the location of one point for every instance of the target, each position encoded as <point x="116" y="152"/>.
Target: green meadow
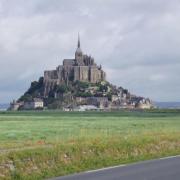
<point x="44" y="144"/>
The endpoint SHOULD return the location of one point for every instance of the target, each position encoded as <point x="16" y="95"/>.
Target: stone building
<point x="34" y="104"/>
<point x="81" y="68"/>
<point x="14" y="105"/>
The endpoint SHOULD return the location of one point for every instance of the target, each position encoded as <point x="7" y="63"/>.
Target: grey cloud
<point x="136" y="41"/>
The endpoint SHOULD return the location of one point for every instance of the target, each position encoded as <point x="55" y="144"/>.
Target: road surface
<point x="160" y="169"/>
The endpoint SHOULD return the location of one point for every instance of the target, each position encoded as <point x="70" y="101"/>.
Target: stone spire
<point x="79" y="53"/>
<point x="79" y="44"/>
<point x="78" y="50"/>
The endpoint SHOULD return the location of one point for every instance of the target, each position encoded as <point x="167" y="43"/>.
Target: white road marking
<point x="123" y="165"/>
<point x="102" y="169"/>
<point x="169" y="157"/>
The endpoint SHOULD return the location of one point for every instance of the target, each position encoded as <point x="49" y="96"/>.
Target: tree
<point x="103" y="88"/>
<point x="62" y="89"/>
<point x="84" y="94"/>
<point x="26" y="97"/>
<point x="35" y="90"/>
<point x="109" y="96"/>
<point x="81" y="84"/>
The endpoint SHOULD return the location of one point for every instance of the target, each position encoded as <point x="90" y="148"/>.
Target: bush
<point x="62" y="89"/>
<point x="26" y="97"/>
<point x="109" y="96"/>
<point x="84" y="94"/>
<point x="103" y="88"/>
<point x="81" y="84"/>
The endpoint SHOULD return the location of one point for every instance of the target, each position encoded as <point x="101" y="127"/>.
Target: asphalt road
<point x="160" y="169"/>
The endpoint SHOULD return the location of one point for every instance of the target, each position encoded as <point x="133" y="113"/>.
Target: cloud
<point x="157" y="77"/>
<point x="137" y="42"/>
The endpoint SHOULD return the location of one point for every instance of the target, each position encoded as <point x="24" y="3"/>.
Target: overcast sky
<point x="136" y="41"/>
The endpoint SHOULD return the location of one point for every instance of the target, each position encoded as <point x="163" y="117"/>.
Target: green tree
<point x="62" y="89"/>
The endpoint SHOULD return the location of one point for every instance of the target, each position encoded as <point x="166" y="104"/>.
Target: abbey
<point x="81" y="68"/>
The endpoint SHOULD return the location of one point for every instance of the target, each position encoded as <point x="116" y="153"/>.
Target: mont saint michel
<point x="78" y="84"/>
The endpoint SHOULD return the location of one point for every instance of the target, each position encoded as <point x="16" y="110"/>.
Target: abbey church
<point x="81" y="68"/>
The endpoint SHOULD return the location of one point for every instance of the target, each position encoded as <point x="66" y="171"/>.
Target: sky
<point x="137" y="42"/>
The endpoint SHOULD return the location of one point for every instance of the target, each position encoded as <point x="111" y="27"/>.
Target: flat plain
<point x="44" y="144"/>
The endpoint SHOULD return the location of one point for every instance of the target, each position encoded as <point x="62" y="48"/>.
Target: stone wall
<point x="81" y="73"/>
<point x="95" y="74"/>
<point x="48" y="75"/>
<point x="68" y="62"/>
<point x="84" y="73"/>
<point x="48" y="86"/>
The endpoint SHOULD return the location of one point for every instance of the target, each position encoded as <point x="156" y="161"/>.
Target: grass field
<point x="38" y="145"/>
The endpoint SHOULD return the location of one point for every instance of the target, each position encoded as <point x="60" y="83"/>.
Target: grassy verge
<point x="81" y="155"/>
<point x="47" y="145"/>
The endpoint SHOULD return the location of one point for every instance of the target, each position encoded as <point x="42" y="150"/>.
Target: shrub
<point x="62" y="89"/>
<point x="81" y="84"/>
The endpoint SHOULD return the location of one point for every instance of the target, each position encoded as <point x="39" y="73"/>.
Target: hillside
<point x="102" y="95"/>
